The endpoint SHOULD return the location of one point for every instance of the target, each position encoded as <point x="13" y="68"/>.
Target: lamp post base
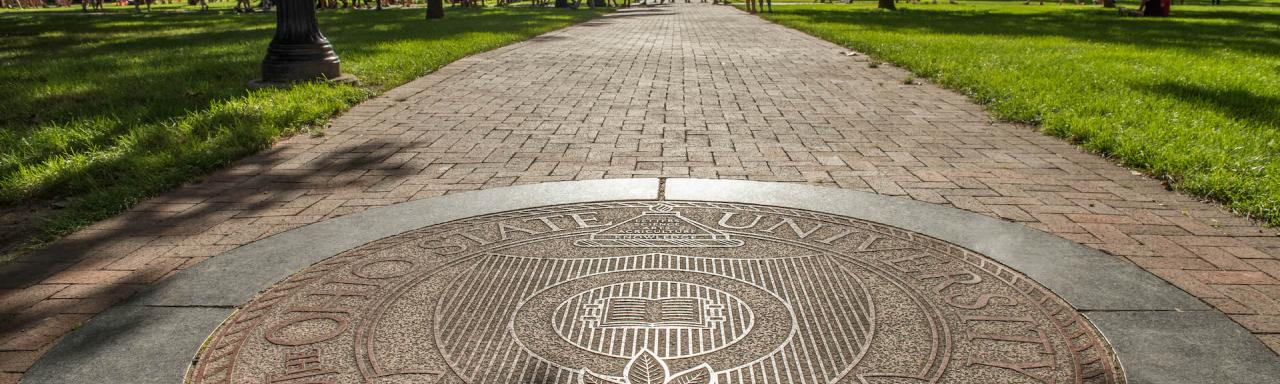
<point x="344" y="78"/>
<point x="301" y="60"/>
<point x="299" y="52"/>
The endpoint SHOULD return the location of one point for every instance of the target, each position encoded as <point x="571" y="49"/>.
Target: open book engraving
<point x="638" y="312"/>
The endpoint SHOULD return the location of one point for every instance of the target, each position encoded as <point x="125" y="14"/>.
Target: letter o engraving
<point x="272" y="334"/>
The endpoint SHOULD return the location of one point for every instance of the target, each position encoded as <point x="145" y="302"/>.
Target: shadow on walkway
<point x="93" y="262"/>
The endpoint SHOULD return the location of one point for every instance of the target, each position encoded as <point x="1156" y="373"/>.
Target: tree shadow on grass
<point x="1240" y="104"/>
<point x="1256" y="33"/>
<point x="225" y="54"/>
<point x="102" y="72"/>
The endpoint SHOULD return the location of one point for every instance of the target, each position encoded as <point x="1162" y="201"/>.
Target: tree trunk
<point x="1108" y="3"/>
<point x="562" y="3"/>
<point x="435" y="9"/>
<point x="888" y="4"/>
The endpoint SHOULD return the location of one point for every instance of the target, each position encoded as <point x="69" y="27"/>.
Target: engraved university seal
<point x="656" y="292"/>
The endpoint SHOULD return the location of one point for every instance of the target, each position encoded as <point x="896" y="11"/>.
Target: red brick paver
<point x="681" y="91"/>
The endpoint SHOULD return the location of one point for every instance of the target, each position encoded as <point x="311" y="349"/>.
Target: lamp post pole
<point x="299" y="52"/>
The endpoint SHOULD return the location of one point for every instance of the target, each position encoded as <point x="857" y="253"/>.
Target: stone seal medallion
<point x="656" y="292"/>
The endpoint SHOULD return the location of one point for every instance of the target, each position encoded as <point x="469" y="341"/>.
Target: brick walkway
<point x="680" y="91"/>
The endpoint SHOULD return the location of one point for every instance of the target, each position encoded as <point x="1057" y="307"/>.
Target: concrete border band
<point x="1159" y="333"/>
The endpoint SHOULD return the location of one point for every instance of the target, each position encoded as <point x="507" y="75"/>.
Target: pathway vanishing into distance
<point x="689" y="90"/>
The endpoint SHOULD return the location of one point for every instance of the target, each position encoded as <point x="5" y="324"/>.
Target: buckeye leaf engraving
<point x="589" y="377"/>
<point x="698" y="375"/>
<point x="645" y="368"/>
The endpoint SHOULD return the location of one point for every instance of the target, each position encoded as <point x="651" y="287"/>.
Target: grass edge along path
<point x="201" y="141"/>
<point x="1163" y="108"/>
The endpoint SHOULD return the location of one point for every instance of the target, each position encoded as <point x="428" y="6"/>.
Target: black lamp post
<point x="299" y="52"/>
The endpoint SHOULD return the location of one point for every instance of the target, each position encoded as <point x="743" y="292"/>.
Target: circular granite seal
<point x="656" y="292"/>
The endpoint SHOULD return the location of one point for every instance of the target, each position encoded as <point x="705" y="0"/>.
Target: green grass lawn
<point x="103" y="110"/>
<point x="1193" y="99"/>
